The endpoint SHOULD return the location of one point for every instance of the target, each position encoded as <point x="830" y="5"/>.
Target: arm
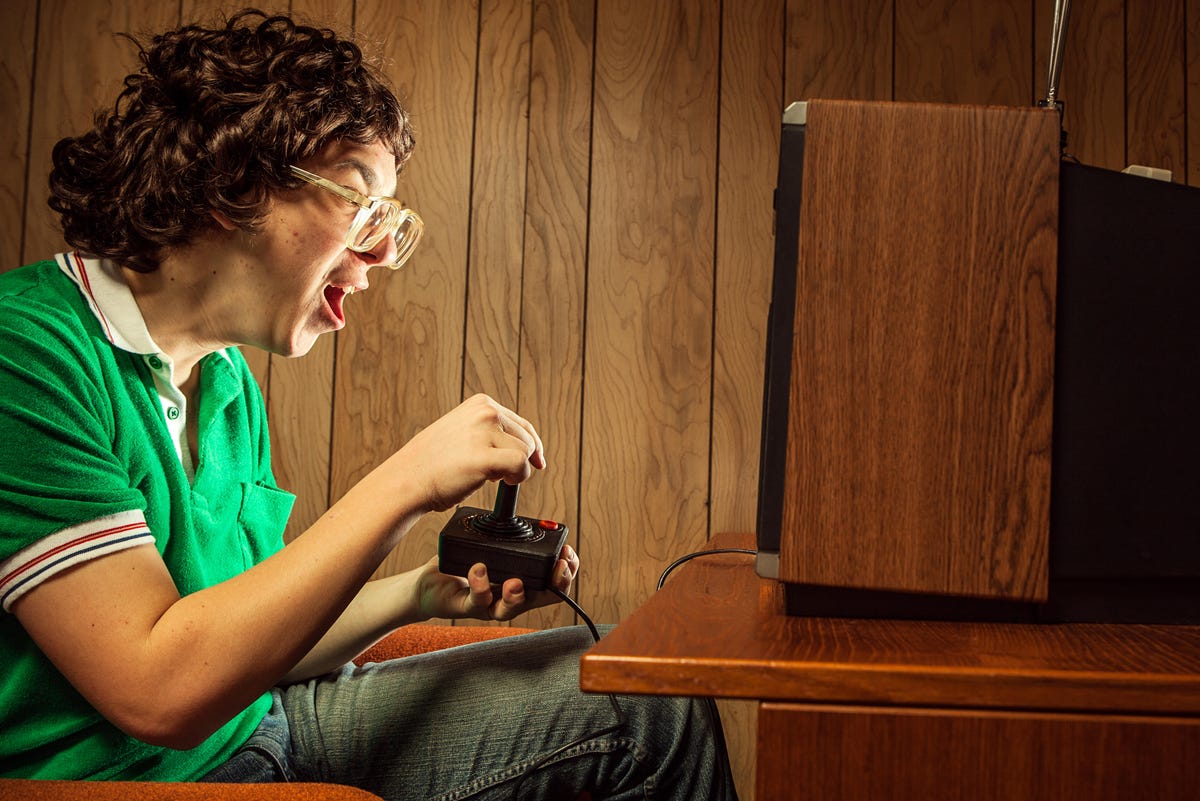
<point x="387" y="604"/>
<point x="116" y="625"/>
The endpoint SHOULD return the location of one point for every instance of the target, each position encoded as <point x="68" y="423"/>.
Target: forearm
<point x="382" y="606"/>
<point x="222" y="647"/>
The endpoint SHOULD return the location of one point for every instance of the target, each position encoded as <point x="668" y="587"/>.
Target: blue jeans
<point x="481" y="722"/>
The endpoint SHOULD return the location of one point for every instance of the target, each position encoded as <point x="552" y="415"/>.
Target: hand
<point x="441" y="595"/>
<point x="478" y="441"/>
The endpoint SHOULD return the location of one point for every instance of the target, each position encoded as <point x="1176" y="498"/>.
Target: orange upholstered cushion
<point x="419" y="638"/>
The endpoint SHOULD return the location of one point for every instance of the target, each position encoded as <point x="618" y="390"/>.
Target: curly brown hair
<point x="210" y="122"/>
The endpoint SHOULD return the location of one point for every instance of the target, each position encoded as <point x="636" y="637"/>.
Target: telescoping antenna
<point x="1058" y="40"/>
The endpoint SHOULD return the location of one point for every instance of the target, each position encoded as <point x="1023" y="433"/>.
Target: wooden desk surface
<point x="718" y="629"/>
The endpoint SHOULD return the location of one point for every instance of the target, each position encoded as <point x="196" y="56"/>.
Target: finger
<point x="512" y="599"/>
<point x="572" y="559"/>
<point x="517" y="426"/>
<point x="563" y="576"/>
<point x="480" y="595"/>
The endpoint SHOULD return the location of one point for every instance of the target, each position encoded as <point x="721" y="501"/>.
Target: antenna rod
<point x="1058" y="41"/>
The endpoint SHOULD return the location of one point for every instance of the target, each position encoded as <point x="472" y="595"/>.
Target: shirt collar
<point x="111" y="300"/>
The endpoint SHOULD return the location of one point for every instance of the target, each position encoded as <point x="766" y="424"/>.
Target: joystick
<point x="510" y="546"/>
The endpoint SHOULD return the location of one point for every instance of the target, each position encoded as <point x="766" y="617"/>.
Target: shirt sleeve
<point x="64" y="496"/>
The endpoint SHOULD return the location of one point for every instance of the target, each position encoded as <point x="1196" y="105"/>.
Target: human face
<point x="303" y="267"/>
<point x="376" y="218"/>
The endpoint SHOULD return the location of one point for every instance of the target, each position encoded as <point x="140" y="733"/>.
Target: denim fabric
<point x="474" y="722"/>
<point x="266" y="756"/>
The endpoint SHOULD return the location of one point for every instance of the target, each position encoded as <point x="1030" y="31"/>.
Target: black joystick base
<point x="510" y="546"/>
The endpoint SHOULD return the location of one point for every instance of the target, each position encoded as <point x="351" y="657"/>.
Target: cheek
<point x="310" y="240"/>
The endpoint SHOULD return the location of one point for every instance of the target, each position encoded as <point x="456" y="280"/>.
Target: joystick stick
<point x="510" y="546"/>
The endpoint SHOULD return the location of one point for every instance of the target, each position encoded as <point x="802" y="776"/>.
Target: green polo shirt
<point x="88" y="465"/>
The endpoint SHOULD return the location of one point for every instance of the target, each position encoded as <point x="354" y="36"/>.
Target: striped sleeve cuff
<point x="72" y="546"/>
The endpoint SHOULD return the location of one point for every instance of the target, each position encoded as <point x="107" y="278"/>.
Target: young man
<point x="154" y="626"/>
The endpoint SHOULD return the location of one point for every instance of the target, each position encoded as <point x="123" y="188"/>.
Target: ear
<point x="222" y="220"/>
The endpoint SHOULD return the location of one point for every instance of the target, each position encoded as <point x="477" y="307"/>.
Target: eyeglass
<point x="377" y="218"/>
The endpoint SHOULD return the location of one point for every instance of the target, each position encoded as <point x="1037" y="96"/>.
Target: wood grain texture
<point x="555" y="262"/>
<point x="935" y="755"/>
<point x="498" y="201"/>
<point x="649" y="303"/>
<point x="839" y="50"/>
<point x="751" y="103"/>
<point x="964" y="51"/>
<point x="18" y="29"/>
<point x="336" y="14"/>
<point x="920" y="419"/>
<point x="718" y="629"/>
<point x="751" y="107"/>
<point x="73" y="83"/>
<point x="399" y="360"/>
<point x="1155" y="90"/>
<point x="494" y="269"/>
<point x="1192" y="47"/>
<point x="1092" y="83"/>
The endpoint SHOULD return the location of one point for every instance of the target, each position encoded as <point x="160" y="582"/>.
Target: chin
<point x="298" y="346"/>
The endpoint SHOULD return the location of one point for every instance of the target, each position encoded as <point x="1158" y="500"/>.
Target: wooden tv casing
<point x="918" y="456"/>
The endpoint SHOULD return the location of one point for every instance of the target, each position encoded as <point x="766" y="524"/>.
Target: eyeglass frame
<point x="367" y="204"/>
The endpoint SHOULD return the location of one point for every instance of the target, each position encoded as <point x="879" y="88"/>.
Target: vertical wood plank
<point x="751" y="103"/>
<point x="964" y="51"/>
<point x="18" y="22"/>
<point x="494" y="266"/>
<point x="554" y="255"/>
<point x="839" y="50"/>
<point x="1092" y="83"/>
<point x="751" y="107"/>
<point x="650" y="283"/>
<point x="399" y="360"/>
<point x="1192" y="14"/>
<point x="73" y="83"/>
<point x="1154" y="95"/>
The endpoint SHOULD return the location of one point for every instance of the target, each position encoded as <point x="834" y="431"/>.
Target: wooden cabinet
<point x="871" y="752"/>
<point x="858" y="709"/>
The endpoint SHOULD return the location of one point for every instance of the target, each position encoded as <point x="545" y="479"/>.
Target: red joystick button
<point x="549" y="525"/>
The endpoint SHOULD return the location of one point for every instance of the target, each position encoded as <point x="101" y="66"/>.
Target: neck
<point x="175" y="301"/>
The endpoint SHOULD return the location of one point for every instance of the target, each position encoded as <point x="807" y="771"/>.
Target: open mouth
<point x="334" y="296"/>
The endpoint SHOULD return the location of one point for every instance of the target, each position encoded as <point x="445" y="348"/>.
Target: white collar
<point x="111" y="300"/>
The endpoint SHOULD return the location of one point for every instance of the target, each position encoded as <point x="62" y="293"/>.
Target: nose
<point x="382" y="254"/>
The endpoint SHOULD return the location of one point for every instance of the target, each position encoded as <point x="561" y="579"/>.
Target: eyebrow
<point x="368" y="175"/>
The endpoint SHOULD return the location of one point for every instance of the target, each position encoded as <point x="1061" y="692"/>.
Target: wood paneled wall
<point x="596" y="177"/>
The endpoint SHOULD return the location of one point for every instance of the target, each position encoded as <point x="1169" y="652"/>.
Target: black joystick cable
<point x="502" y="521"/>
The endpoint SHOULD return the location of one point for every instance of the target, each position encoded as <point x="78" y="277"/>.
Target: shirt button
<point x="155" y="363"/>
<point x="173" y="413"/>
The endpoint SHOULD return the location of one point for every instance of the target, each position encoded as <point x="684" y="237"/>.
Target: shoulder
<point x="48" y="337"/>
<point x="39" y="304"/>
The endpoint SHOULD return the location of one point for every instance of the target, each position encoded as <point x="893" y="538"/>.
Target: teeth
<point x="350" y="290"/>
